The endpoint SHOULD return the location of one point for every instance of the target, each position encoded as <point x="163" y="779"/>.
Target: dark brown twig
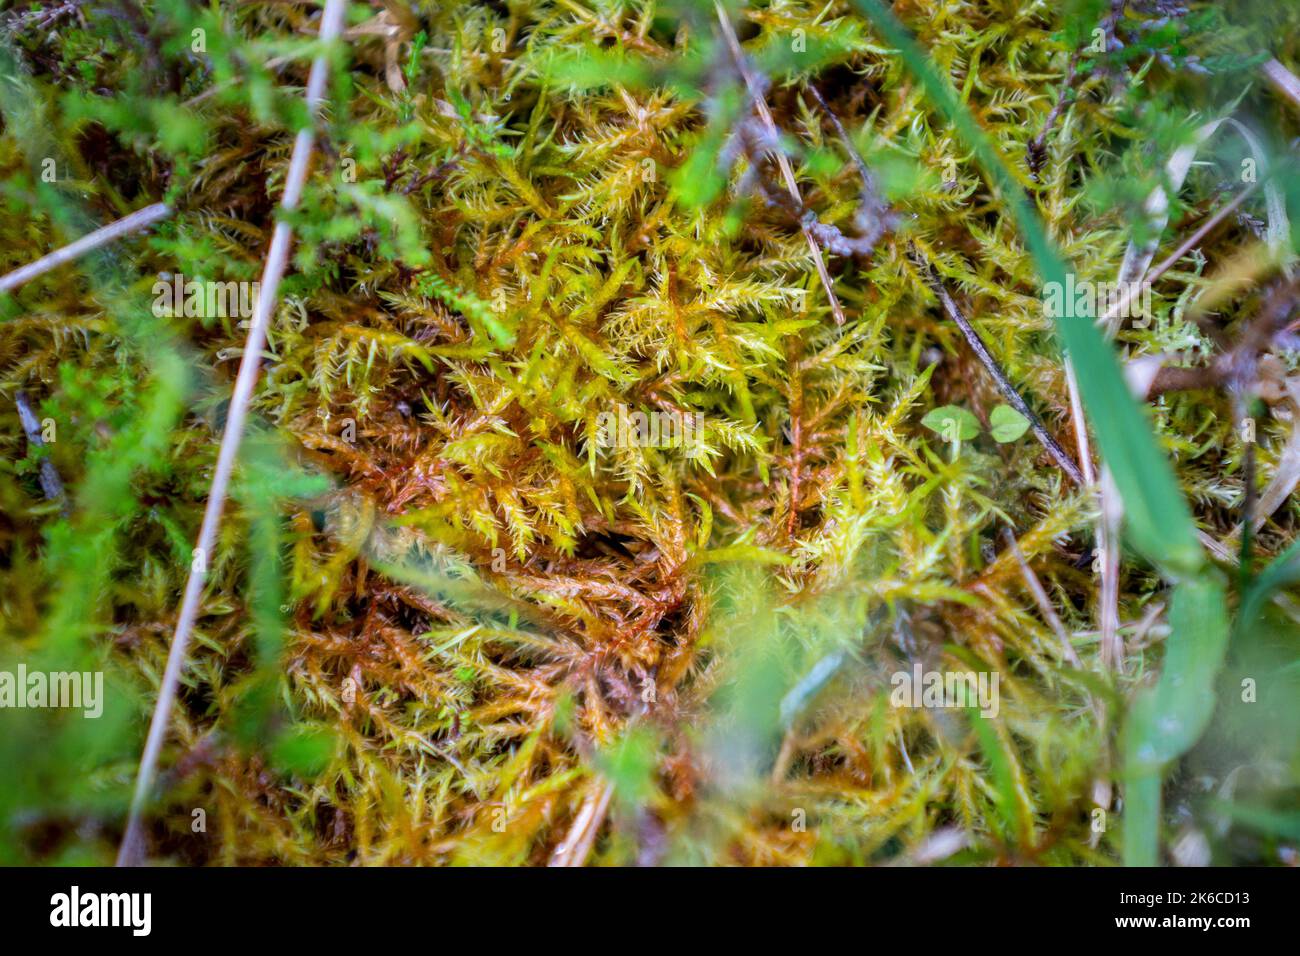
<point x="874" y="216"/>
<point x="1036" y="151"/>
<point x="986" y="358"/>
<point x="1037" y="148"/>
<point x="787" y="173"/>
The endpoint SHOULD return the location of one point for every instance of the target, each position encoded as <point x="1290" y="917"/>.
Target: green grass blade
<point x="1281" y="571"/>
<point x="1142" y="820"/>
<point x="1168" y="719"/>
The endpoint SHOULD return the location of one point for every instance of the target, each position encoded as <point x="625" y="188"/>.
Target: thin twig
<point x="51" y="483"/>
<point x="1108" y="543"/>
<point x="131" y="851"/>
<point x="986" y="358"/>
<point x="1195" y="238"/>
<point x="868" y="180"/>
<point x="93" y="240"/>
<point x="1037" y="149"/>
<point x="1036" y="152"/>
<point x="574" y="849"/>
<point x="1283" y="80"/>
<point x="1040" y="598"/>
<point x="874" y="213"/>
<point x="43" y="18"/>
<point x="787" y="173"/>
<point x="1118" y="308"/>
<point x="1134" y="276"/>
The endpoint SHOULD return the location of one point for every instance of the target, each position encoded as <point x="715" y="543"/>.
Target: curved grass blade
<point x="1165" y="721"/>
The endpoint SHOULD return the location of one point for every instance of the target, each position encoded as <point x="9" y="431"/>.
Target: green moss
<point x="452" y="604"/>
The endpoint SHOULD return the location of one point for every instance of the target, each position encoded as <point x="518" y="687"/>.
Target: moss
<point x="449" y="619"/>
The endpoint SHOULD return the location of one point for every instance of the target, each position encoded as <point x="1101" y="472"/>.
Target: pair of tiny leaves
<point x="954" y="423"/>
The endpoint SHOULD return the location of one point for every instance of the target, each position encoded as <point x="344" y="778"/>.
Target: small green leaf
<point x="1006" y="424"/>
<point x="953" y="423"/>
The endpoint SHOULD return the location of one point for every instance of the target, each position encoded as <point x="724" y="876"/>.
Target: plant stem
<point x="131" y="850"/>
<point x="87" y="243"/>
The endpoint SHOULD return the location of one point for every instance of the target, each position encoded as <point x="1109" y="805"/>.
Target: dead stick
<point x="74" y="250"/>
<point x="130" y="853"/>
<point x="1040" y="598"/>
<point x="1119" y="308"/>
<point x="1201" y="232"/>
<point x="868" y="181"/>
<point x="1283" y="80"/>
<point x="576" y="846"/>
<point x="51" y="483"/>
<point x="756" y="93"/>
<point x="1037" y="149"/>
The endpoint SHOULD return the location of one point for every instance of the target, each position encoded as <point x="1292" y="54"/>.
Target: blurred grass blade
<point x="1011" y="795"/>
<point x="1165" y="721"/>
<point x="1281" y="571"/>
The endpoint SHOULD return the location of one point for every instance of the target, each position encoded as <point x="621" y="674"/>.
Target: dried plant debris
<point x="663" y="448"/>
